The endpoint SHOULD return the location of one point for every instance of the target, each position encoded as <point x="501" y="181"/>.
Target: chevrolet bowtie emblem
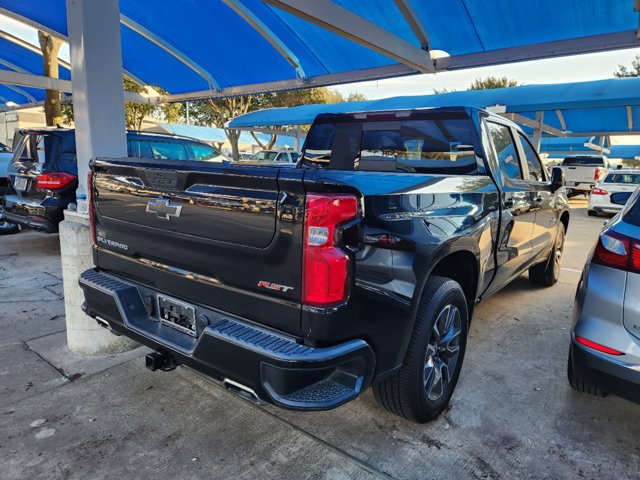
<point x="163" y="208"/>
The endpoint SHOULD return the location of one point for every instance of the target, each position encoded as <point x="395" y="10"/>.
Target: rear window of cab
<point x="413" y="145"/>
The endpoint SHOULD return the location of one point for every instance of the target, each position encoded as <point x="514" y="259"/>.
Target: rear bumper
<point x="613" y="376"/>
<point x="581" y="186"/>
<point x="38" y="217"/>
<point x="276" y="367"/>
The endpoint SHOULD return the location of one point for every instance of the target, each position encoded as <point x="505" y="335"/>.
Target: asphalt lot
<point x="513" y="414"/>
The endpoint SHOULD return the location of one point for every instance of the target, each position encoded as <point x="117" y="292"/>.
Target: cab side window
<point x="536" y="173"/>
<point x="168" y="150"/>
<point x="205" y="152"/>
<point x="506" y="149"/>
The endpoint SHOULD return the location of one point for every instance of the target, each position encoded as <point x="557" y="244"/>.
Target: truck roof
<point x="471" y="112"/>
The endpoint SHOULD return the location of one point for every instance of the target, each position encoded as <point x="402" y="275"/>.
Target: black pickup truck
<point x="360" y="267"/>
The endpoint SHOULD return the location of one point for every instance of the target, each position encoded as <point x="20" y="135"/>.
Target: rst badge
<point x="163" y="208"/>
<point x="274" y="286"/>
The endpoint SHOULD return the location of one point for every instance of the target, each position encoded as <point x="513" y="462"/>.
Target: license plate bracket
<point x="21" y="183"/>
<point x="177" y="314"/>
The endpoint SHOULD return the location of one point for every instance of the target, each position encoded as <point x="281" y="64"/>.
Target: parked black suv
<point x="362" y="266"/>
<point x="43" y="174"/>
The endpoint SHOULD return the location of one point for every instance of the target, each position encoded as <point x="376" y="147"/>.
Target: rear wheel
<point x="422" y="388"/>
<point x="581" y="385"/>
<point x="547" y="273"/>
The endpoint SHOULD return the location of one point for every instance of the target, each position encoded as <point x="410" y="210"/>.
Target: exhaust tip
<point x="242" y="391"/>
<point x="105" y="324"/>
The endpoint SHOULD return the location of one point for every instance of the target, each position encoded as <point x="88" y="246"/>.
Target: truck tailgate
<point x="214" y="235"/>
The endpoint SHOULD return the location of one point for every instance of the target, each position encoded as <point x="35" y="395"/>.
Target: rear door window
<point x="168" y="150"/>
<point x="205" y="153"/>
<point x="506" y="150"/>
<point x="626" y="178"/>
<point x="633" y="214"/>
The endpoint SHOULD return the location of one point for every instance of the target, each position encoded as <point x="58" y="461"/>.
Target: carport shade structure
<point x="601" y="107"/>
<point x="208" y="48"/>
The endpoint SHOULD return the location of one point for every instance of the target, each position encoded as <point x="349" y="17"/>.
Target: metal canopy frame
<point x="170" y="49"/>
<point x="260" y="27"/>
<point x="347" y="24"/>
<point x="53" y="33"/>
<point x="343" y="22"/>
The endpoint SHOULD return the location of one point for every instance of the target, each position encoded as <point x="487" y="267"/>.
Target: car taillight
<point x="597" y="173"/>
<point x="617" y="251"/>
<point x="325" y="264"/>
<point x="54" y="180"/>
<point x="598" y="191"/>
<point x="597" y="346"/>
<point x="92" y="215"/>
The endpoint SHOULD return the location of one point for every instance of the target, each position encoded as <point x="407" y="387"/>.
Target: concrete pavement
<point x="513" y="414"/>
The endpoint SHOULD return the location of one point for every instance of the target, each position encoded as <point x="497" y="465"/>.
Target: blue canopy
<point x="626" y="152"/>
<point x="200" y="48"/>
<point x="585" y="108"/>
<point x="19" y="57"/>
<point x="556" y="146"/>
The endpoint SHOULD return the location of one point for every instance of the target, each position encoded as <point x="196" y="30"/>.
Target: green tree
<point x="216" y="112"/>
<point x="492" y="82"/>
<point x="357" y="97"/>
<point x="135" y="113"/>
<point x="634" y="71"/>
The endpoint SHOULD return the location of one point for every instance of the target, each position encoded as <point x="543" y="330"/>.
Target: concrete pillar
<point x="84" y="335"/>
<point x="98" y="102"/>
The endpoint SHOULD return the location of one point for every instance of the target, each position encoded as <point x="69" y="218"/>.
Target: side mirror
<point x="557" y="179"/>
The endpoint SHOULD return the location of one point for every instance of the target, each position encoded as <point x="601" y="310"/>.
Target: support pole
<point x="98" y="100"/>
<point x="537" y="132"/>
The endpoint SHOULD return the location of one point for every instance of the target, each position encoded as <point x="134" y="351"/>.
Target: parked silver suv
<point x="605" y="337"/>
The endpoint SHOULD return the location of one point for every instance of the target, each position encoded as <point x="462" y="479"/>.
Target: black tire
<point x="7" y="228"/>
<point x="548" y="273"/>
<point x="592" y="213"/>
<point x="414" y="392"/>
<point x="580" y="385"/>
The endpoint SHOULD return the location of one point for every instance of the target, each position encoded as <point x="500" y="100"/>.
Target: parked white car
<point x="612" y="192"/>
<point x="275" y="156"/>
<point x="581" y="172"/>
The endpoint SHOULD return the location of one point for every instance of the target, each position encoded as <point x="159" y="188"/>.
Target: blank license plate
<point x="178" y="315"/>
<point x="20" y="183"/>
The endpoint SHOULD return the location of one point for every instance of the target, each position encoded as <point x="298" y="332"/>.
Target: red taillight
<point x="326" y="266"/>
<point x="92" y="215"/>
<point x="598" y="191"/>
<point x="597" y="173"/>
<point x="54" y="180"/>
<point x="597" y="346"/>
<point x="617" y="251"/>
